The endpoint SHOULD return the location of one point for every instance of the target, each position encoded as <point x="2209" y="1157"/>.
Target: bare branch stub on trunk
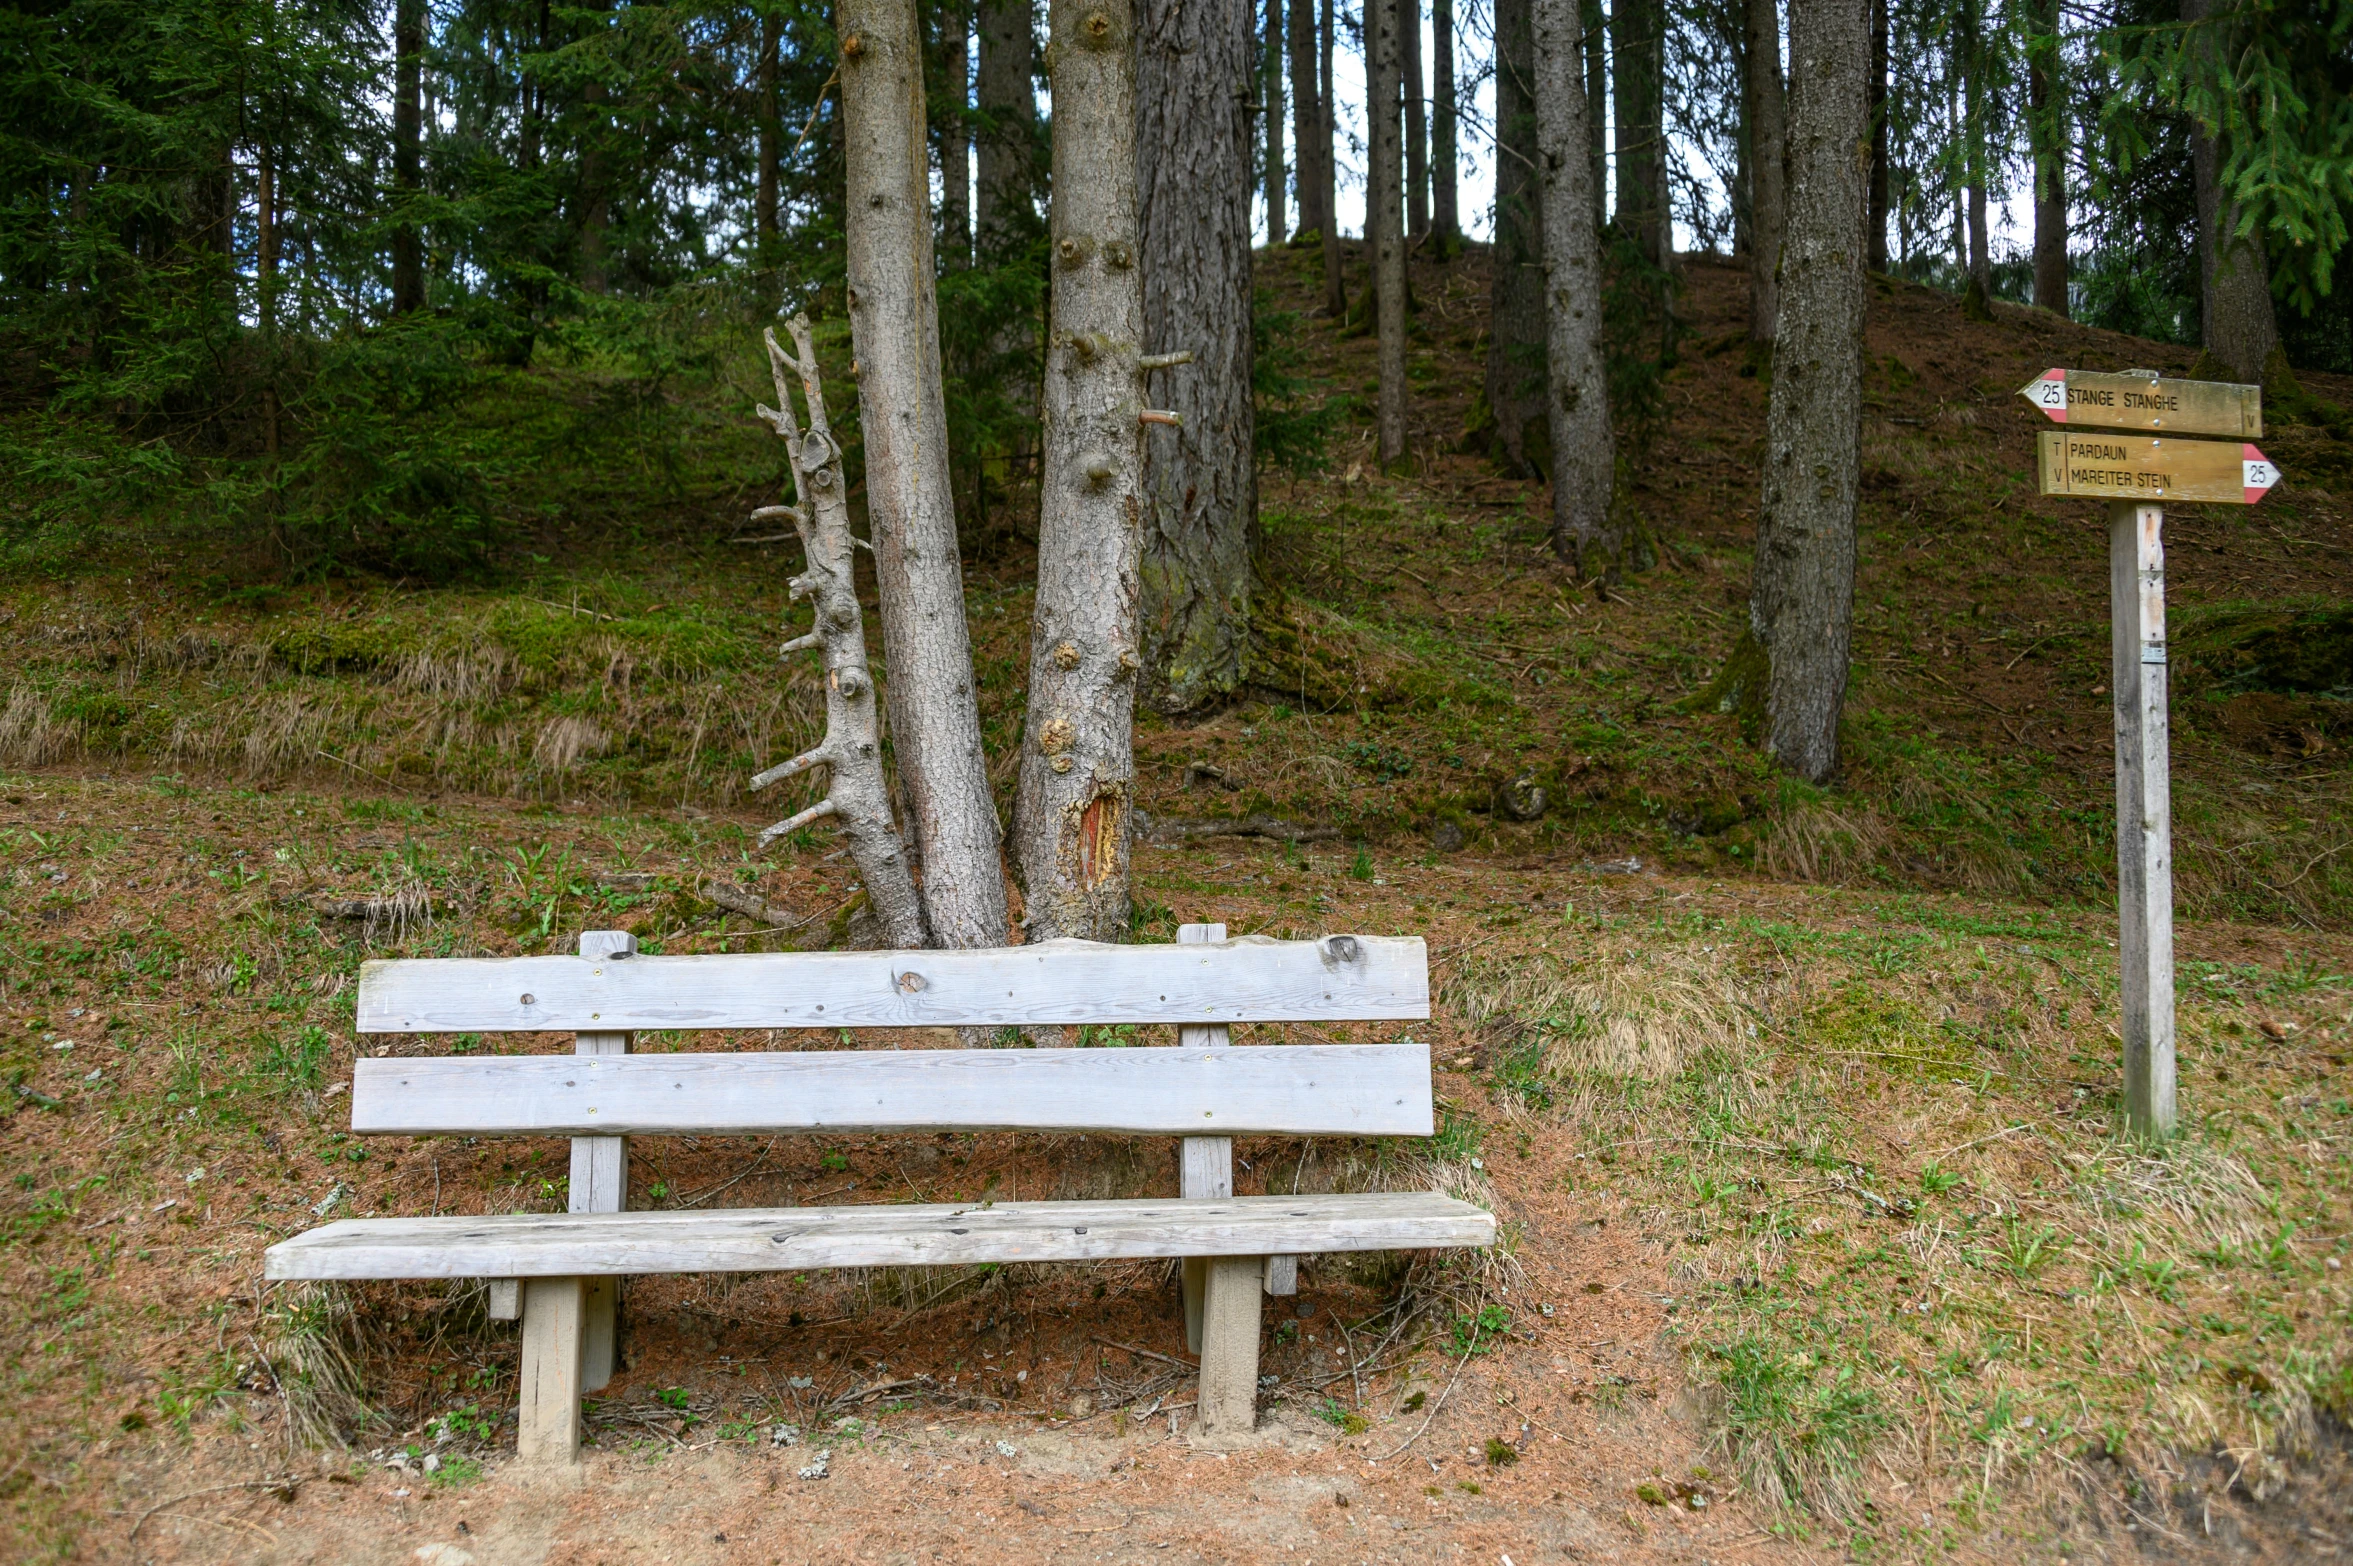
<point x="851" y="752"/>
<point x="894" y="326"/>
<point x="1074" y="821"/>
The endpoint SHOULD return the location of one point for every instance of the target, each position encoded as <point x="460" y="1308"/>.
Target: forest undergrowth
<point x="1824" y="1080"/>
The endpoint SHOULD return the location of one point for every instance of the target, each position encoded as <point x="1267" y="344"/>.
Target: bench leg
<point x="1229" y="1345"/>
<point x="547" y="1433"/>
<point x="1193" y="1274"/>
<point x="599" y="1345"/>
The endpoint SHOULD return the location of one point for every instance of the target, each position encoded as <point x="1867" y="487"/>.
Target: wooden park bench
<point x="560" y="1271"/>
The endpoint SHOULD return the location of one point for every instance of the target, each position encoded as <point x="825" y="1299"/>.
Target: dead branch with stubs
<point x="851" y="752"/>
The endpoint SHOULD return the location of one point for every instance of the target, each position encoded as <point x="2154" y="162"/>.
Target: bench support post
<point x="547" y="1427"/>
<point x="1228" y="1403"/>
<point x="600" y="1182"/>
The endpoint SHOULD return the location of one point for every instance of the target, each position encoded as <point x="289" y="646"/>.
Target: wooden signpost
<point x="2160" y="458"/>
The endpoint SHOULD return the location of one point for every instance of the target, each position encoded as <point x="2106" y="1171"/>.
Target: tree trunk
<point x="408" y="57"/>
<point x="894" y="329"/>
<point x="1445" y="151"/>
<point x="1417" y="130"/>
<point x="2240" y="328"/>
<point x="856" y="796"/>
<point x="1383" y="228"/>
<point x="1328" y="168"/>
<point x="1578" y="408"/>
<point x="1271" y="73"/>
<point x="1078" y="770"/>
<point x="1307" y="119"/>
<point x="955" y="122"/>
<point x="1634" y="31"/>
<point x="1977" y="298"/>
<point x="1768" y="162"/>
<point x="1597" y="97"/>
<point x="764" y="199"/>
<point x="1801" y="604"/>
<point x="2046" y="128"/>
<point x="1193" y="157"/>
<point x="1879" y="191"/>
<point x="265" y="284"/>
<point x="595" y="201"/>
<point x="1515" y="338"/>
<point x="1007" y="206"/>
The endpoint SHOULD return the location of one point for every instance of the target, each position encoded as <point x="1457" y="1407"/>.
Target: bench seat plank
<point x="1251" y="979"/>
<point x="790" y="1239"/>
<point x="1297" y="1090"/>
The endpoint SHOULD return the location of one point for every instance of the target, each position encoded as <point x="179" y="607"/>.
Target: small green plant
<point x="1342" y="1418"/>
<point x="456" y="1471"/>
<point x="833" y="1162"/>
<point x="1413" y="1402"/>
<point x="462" y="1424"/>
<point x="1651" y="1493"/>
<point x="2028" y="1250"/>
<point x="671" y="1397"/>
<point x="1476" y="1333"/>
<point x="1936" y="1179"/>
<point x="1501" y="1453"/>
<point x="1470" y="1487"/>
<point x="297" y="1063"/>
<point x="1361" y="867"/>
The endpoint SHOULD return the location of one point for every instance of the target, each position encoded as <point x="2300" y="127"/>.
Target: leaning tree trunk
<point x="2046" y="127"/>
<point x="1584" y="460"/>
<point x="1194" y="163"/>
<point x="1768" y="161"/>
<point x="855" y="794"/>
<point x="894" y="327"/>
<point x="1383" y="229"/>
<point x="1515" y="288"/>
<point x="1005" y="212"/>
<point x="1801" y="602"/>
<point x="1078" y="765"/>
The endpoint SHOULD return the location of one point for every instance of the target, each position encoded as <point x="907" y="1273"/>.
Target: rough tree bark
<point x="2241" y="328"/>
<point x="1768" y="161"/>
<point x="1383" y="225"/>
<point x="1445" y="149"/>
<point x="1578" y="407"/>
<point x="955" y="66"/>
<point x="894" y="327"/>
<point x="1006" y="209"/>
<point x="855" y="794"/>
<point x="764" y="194"/>
<point x="1417" y="129"/>
<point x="1877" y="259"/>
<point x="1638" y="60"/>
<point x="1328" y="166"/>
<point x="1270" y="57"/>
<point x="1307" y="119"/>
<point x="1194" y="163"/>
<point x="1977" y="297"/>
<point x="2046" y="129"/>
<point x="1801" y="603"/>
<point x="408" y="54"/>
<point x="1515" y="301"/>
<point x="1078" y="771"/>
<point x="594" y="200"/>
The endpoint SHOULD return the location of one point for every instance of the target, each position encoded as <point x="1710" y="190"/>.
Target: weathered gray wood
<point x="1227" y="1403"/>
<point x="547" y="1426"/>
<point x="1251" y="979"/>
<point x="1274" y="1089"/>
<point x="2144" y="812"/>
<point x="792" y="1239"/>
<point x="600" y="1178"/>
<point x="505" y="1301"/>
<point x="1282" y="1275"/>
<point x="1205" y="1164"/>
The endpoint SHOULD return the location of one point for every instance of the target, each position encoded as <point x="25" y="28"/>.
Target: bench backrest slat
<point x="1300" y="1090"/>
<point x="1252" y="979"/>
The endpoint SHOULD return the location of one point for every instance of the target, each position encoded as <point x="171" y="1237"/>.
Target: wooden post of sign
<point x="2144" y="811"/>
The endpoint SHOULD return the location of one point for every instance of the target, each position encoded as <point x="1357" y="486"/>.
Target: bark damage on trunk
<point x="894" y="327"/>
<point x="1195" y="164"/>
<point x="1788" y="676"/>
<point x="1577" y="400"/>
<point x="855" y="795"/>
<point x="1073" y="823"/>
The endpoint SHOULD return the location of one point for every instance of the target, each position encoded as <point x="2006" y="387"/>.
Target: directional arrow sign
<point x="2142" y="467"/>
<point x="2087" y="398"/>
